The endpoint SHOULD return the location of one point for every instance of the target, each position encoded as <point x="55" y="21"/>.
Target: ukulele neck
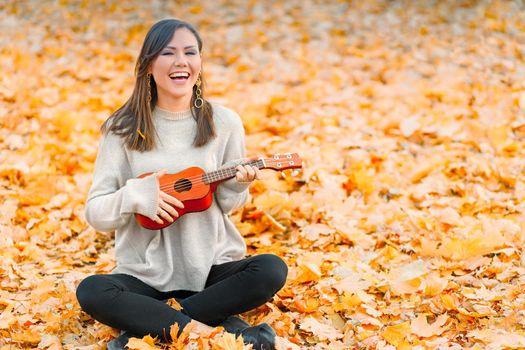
<point x="228" y="173"/>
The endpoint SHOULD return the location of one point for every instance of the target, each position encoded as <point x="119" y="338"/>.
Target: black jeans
<point x="124" y="302"/>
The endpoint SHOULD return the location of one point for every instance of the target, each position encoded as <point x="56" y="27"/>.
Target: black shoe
<point x="119" y="343"/>
<point x="234" y="324"/>
<point x="262" y="336"/>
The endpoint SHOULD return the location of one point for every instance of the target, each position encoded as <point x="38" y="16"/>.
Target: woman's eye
<point x="190" y="53"/>
<point x="166" y="53"/>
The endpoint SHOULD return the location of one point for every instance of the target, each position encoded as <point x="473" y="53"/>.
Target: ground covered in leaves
<point x="404" y="231"/>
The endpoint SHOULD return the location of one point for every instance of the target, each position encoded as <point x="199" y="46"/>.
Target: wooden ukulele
<point x="194" y="188"/>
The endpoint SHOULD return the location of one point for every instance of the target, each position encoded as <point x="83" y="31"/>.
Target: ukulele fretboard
<point x="228" y="173"/>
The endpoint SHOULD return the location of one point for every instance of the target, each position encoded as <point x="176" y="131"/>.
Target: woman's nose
<point x="180" y="60"/>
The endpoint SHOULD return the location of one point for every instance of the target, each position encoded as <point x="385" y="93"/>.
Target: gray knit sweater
<point x="178" y="257"/>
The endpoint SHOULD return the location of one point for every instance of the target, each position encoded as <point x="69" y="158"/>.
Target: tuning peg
<point x="283" y="174"/>
<point x="295" y="172"/>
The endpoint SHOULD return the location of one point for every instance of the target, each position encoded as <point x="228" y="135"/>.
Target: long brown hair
<point x="135" y="116"/>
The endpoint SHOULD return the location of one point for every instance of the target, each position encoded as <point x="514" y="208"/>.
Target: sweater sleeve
<point x="114" y="196"/>
<point x="232" y="194"/>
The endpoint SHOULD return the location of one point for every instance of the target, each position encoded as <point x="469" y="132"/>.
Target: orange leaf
<point x="310" y="273"/>
<point x="396" y="335"/>
<point x="146" y="343"/>
<point x="321" y="330"/>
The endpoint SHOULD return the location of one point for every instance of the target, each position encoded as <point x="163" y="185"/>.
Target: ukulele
<point x="194" y="188"/>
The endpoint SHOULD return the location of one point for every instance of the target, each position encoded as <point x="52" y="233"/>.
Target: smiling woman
<point x="167" y="125"/>
<point x="170" y="47"/>
<point x="176" y="71"/>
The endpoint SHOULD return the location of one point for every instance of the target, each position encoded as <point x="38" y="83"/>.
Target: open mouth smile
<point x="179" y="76"/>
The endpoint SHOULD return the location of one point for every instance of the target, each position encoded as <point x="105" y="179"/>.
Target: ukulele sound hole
<point x="182" y="185"/>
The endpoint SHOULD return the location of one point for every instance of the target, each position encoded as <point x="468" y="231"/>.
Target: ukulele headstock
<point x="283" y="161"/>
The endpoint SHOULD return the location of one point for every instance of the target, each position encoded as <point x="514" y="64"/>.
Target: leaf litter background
<point x="404" y="231"/>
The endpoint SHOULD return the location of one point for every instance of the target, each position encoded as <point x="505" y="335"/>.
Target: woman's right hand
<point x="165" y="209"/>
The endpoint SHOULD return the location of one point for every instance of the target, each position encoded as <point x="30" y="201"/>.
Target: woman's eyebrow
<point x="185" y="48"/>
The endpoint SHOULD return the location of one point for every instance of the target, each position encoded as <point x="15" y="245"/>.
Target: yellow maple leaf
<point x="307" y="305"/>
<point x="174" y="331"/>
<point x="433" y="284"/>
<point x="396" y="335"/>
<point x="309" y="273"/>
<point x="449" y="301"/>
<point x="146" y="343"/>
<point x="228" y="341"/>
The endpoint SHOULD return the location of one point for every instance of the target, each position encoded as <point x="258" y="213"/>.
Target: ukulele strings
<point x="201" y="176"/>
<point x="258" y="162"/>
<point x="219" y="170"/>
<point x="187" y="186"/>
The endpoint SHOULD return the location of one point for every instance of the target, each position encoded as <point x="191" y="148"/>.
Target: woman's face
<point x="176" y="70"/>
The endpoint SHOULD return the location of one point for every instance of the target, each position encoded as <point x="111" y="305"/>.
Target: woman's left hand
<point x="247" y="173"/>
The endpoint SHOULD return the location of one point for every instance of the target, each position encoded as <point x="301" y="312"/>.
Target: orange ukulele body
<point x="195" y="195"/>
<point x="194" y="188"/>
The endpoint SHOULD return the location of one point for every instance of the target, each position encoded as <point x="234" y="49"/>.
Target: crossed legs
<point x="124" y="302"/>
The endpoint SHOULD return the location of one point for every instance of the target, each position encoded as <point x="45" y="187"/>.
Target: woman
<point x="199" y="259"/>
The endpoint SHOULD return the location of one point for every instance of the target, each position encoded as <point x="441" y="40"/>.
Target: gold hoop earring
<point x="149" y="89"/>
<point x="198" y="92"/>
